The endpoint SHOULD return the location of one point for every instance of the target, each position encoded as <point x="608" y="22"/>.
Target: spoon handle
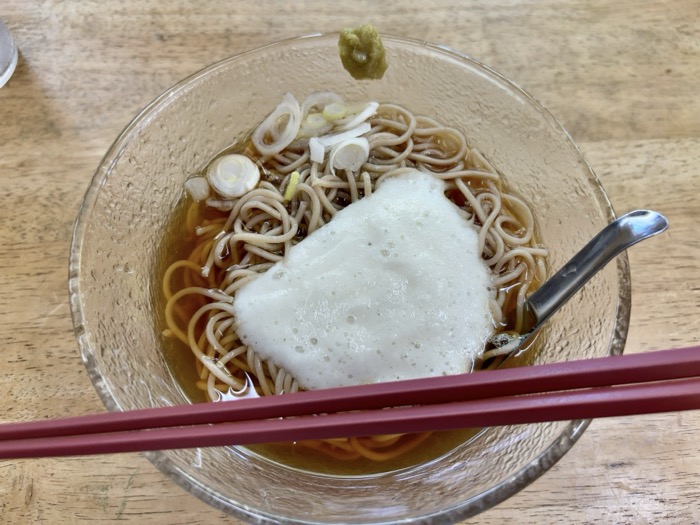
<point x="617" y="236"/>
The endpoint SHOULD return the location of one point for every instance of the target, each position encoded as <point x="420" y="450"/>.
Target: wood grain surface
<point x="623" y="77"/>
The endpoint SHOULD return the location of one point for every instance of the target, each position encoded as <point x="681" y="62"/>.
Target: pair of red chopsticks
<point x="661" y="381"/>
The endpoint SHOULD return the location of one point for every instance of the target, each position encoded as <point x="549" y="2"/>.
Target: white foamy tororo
<point x="392" y="288"/>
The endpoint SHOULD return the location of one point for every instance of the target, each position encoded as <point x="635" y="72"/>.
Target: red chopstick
<point x="651" y="382"/>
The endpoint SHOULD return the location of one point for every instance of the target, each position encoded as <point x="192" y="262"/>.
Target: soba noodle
<point x="238" y="239"/>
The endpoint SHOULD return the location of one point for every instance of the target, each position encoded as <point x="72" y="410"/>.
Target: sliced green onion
<point x="279" y="128"/>
<point x="198" y="188"/>
<point x="334" y="111"/>
<point x="318" y="100"/>
<point x="292" y="186"/>
<point x="354" y="120"/>
<point x="318" y="145"/>
<point x="316" y="150"/>
<point x="349" y="155"/>
<point x="331" y="140"/>
<point x="315" y="120"/>
<point x="233" y="175"/>
<point x="314" y="124"/>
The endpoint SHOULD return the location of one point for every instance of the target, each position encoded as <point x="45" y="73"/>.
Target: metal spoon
<point x="616" y="237"/>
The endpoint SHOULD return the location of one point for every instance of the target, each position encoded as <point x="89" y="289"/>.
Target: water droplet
<point x="313" y="341"/>
<point x="299" y="349"/>
<point x="351" y="319"/>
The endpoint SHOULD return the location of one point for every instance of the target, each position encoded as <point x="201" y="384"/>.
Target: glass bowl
<point x="115" y="272"/>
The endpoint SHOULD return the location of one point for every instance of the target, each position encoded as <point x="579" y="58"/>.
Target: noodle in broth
<point x="232" y="241"/>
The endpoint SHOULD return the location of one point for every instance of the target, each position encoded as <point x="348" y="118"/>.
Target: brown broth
<point x="303" y="458"/>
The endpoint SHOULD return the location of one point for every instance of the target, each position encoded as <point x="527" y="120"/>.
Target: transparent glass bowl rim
<point x="496" y="494"/>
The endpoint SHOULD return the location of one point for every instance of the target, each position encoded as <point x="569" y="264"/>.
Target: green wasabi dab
<point x="362" y="52"/>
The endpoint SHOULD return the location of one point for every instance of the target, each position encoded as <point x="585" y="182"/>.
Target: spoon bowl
<point x="620" y="234"/>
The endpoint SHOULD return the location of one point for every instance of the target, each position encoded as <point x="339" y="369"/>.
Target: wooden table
<point x="623" y="77"/>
